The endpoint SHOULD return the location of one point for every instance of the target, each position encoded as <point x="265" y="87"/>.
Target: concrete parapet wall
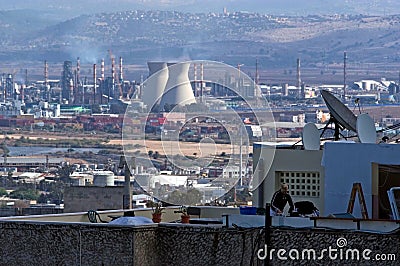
<point x="82" y="198"/>
<point x="27" y="243"/>
<point x="42" y="243"/>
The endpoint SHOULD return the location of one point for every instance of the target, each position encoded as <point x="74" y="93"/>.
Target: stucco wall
<point x="285" y="160"/>
<point x="84" y="198"/>
<point x="347" y="163"/>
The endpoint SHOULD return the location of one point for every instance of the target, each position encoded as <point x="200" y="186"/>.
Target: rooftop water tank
<point x="103" y="178"/>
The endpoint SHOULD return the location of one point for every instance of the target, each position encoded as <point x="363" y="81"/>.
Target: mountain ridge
<point x="141" y="36"/>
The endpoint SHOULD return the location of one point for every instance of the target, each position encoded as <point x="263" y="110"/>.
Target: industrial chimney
<point x="102" y="70"/>
<point x="46" y="73"/>
<point x="195" y="80"/>
<point x="94" y="83"/>
<point x="121" y="75"/>
<point x="71" y="91"/>
<point x="78" y="70"/>
<point x="22" y="92"/>
<point x="201" y="81"/>
<point x="112" y="79"/>
<point x="298" y="85"/>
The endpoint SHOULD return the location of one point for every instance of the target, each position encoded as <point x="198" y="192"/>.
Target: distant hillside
<point x="140" y="36"/>
<point x="17" y="25"/>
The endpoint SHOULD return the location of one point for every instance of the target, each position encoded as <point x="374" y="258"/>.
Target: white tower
<point x="155" y="84"/>
<point x="178" y="90"/>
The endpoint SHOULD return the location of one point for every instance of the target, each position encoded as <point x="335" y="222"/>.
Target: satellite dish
<point x="310" y="137"/>
<point x="366" y="129"/>
<point x="339" y="111"/>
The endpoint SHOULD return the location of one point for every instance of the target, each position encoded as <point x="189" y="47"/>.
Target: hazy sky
<point x="300" y="7"/>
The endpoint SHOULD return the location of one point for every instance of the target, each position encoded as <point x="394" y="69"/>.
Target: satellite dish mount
<point x="337" y="128"/>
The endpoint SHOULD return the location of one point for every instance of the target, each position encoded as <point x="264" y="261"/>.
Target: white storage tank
<point x="103" y="178"/>
<point x="57" y="110"/>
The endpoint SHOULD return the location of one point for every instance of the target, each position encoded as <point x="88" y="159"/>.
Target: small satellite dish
<point x="366" y="129"/>
<point x="339" y="111"/>
<point x="310" y="137"/>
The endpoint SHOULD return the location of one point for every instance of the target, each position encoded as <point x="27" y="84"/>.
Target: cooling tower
<point x="178" y="90"/>
<point x="155" y="84"/>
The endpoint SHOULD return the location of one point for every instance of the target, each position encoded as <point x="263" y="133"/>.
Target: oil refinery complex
<point x="53" y="101"/>
<point x="202" y="102"/>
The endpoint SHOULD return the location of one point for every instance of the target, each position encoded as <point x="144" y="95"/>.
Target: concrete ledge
<point x="58" y="243"/>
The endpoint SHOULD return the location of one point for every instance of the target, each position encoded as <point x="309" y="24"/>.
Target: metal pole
<point x="344" y="77"/>
<point x="267" y="239"/>
<point x="127" y="196"/>
<point x="240" y="156"/>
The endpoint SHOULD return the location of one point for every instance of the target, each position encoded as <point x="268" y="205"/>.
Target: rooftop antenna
<point x="357" y="104"/>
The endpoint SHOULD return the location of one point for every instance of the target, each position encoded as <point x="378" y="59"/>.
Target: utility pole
<point x="257" y="77"/>
<point x="241" y="155"/>
<point x="127" y="196"/>
<point x="344" y="77"/>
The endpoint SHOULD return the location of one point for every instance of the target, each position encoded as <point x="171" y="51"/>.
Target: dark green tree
<point x="190" y="197"/>
<point x="3" y="192"/>
<point x="64" y="172"/>
<point x="24" y="194"/>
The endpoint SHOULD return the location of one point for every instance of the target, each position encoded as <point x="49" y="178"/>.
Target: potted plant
<point x="185" y="217"/>
<point x="157" y="210"/>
